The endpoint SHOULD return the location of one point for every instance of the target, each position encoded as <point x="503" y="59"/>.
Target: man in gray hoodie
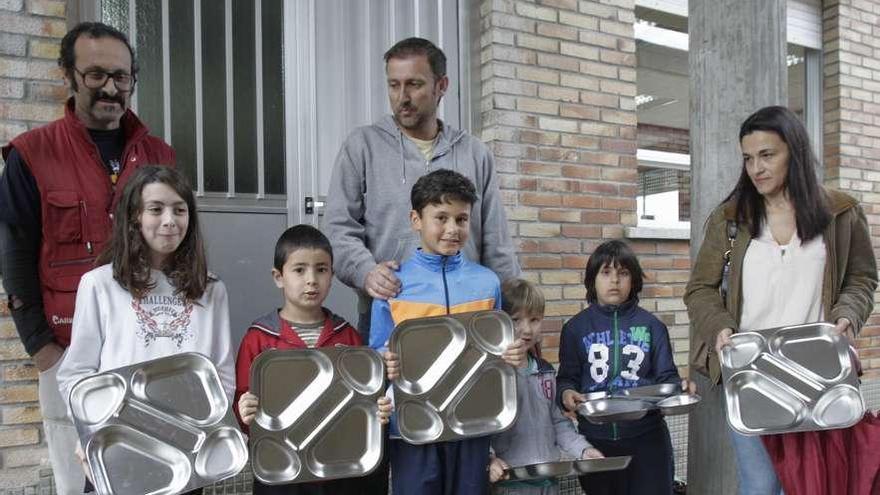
<point x="368" y="203"/>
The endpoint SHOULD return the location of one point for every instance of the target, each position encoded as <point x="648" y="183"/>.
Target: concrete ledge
<point x="657" y="233"/>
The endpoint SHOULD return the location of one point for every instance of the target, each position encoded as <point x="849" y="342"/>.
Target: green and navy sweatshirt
<point x="614" y="347"/>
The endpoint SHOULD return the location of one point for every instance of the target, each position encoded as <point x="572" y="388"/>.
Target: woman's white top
<point x="112" y="329"/>
<point x="782" y="284"/>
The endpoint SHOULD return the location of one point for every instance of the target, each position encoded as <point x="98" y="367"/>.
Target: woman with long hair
<point x="798" y="253"/>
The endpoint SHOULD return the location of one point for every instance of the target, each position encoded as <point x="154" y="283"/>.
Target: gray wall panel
<point x="241" y="247"/>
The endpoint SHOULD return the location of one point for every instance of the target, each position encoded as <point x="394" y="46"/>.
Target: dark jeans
<point x="651" y="471"/>
<point x="443" y="468"/>
<point x="375" y="483"/>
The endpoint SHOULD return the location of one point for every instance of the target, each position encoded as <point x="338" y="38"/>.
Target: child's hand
<point x="78" y="452"/>
<point x="592" y="453"/>
<point x="385" y="409"/>
<point x="247" y="407"/>
<point x="392" y="365"/>
<point x="496" y="469"/>
<point x="571" y="399"/>
<point x="515" y="354"/>
<point x="689" y="387"/>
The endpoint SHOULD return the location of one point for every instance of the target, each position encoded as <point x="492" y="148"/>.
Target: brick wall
<point x="661" y="138"/>
<point x="30" y="95"/>
<point x="558" y="88"/>
<point x="851" y="39"/>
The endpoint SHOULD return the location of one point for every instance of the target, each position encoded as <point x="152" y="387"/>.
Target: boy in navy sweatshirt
<point x="615" y="344"/>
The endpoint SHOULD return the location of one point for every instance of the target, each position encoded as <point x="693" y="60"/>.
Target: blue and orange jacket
<point x="434" y="285"/>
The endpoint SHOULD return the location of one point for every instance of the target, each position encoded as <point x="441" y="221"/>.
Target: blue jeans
<point x="754" y="470"/>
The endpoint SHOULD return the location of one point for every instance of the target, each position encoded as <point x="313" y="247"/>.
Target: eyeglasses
<point x="94" y="79"/>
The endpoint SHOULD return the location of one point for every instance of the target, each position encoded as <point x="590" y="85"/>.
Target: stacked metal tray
<point x="635" y="403"/>
<point x="318" y="417"/>
<point x="797" y="378"/>
<point x="160" y="427"/>
<point x="453" y="383"/>
<point x="559" y="469"/>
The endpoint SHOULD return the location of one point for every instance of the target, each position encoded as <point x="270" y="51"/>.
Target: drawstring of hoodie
<point x="403" y="153"/>
<point x="402" y="156"/>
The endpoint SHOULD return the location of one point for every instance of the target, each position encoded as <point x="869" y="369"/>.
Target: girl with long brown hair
<point x="152" y="295"/>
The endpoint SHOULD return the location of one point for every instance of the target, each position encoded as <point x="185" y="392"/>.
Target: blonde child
<point x="151" y="295"/>
<point x="541" y="433"/>
<point x="615" y="344"/>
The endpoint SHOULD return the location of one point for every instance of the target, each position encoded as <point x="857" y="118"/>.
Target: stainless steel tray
<point x="453" y="383"/>
<point x="317" y="418"/>
<point x="587" y="466"/>
<point x="634" y="403"/>
<point x="559" y="469"/>
<point x="159" y="427"/>
<point x="797" y="378"/>
<point x="656" y="390"/>
<point x="612" y="410"/>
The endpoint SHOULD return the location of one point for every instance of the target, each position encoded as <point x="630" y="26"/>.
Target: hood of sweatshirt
<point x="446" y="141"/>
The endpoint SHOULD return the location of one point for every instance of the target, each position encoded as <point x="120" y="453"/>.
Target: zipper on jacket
<point x="85" y="227"/>
<point x="77" y="261"/>
<point x="616" y="368"/>
<point x="445" y="286"/>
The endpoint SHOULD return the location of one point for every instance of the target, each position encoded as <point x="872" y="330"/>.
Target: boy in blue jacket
<point x="437" y="280"/>
<point x="615" y="344"/>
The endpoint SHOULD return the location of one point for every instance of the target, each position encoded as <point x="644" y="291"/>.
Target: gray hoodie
<point x="368" y="204"/>
<point x="540" y="433"/>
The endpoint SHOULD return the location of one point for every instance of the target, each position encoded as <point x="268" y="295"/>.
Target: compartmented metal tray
<point x="453" y="383"/>
<point x="558" y="469"/>
<point x="797" y="378"/>
<point x="634" y="403"/>
<point x="317" y="418"/>
<point x="159" y="427"/>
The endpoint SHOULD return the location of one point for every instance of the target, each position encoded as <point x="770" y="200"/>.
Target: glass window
<point x="662" y="109"/>
<point x="217" y="134"/>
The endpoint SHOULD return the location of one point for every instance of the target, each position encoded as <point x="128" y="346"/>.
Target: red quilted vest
<point x="77" y="200"/>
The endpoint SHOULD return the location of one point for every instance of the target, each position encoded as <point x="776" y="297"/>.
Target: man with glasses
<point x="57" y="194"/>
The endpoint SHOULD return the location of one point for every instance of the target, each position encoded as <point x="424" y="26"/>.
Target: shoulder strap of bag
<point x="725" y="273"/>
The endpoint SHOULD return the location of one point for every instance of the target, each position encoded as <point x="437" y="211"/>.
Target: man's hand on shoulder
<point x="381" y="282"/>
<point x="47" y="356"/>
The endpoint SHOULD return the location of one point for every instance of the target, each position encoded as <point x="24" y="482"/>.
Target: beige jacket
<point x="847" y="292"/>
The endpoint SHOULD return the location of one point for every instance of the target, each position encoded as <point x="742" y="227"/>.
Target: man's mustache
<point x="102" y="95"/>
